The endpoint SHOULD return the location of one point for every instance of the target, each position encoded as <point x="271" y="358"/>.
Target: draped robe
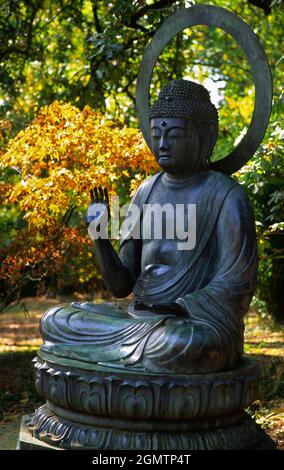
<point x="213" y="283"/>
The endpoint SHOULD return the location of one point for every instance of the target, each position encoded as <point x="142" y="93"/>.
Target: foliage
<point x="48" y="170"/>
<point x="263" y="178"/>
<point x="88" y="53"/>
<point x="73" y="50"/>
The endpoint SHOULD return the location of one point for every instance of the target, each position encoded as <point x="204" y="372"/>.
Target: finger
<point x="92" y="196"/>
<point x="101" y="193"/>
<point x="96" y="193"/>
<point x="106" y="198"/>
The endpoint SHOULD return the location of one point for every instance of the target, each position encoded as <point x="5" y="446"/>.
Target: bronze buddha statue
<point x="188" y="307"/>
<point x="167" y="371"/>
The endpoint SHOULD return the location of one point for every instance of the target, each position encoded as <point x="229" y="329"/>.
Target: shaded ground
<point x="264" y="341"/>
<point x="20" y="340"/>
<point x="9" y="434"/>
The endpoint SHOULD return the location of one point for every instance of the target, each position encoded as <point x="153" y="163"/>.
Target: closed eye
<point x="175" y="134"/>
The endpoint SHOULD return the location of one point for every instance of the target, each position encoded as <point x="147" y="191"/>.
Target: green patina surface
<point x="264" y="341"/>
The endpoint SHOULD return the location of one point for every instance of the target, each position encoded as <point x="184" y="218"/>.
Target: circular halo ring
<point x="230" y="23"/>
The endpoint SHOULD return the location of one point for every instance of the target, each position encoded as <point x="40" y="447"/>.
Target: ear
<point x="209" y="141"/>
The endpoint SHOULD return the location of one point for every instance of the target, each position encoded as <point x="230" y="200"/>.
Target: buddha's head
<point x="184" y="128"/>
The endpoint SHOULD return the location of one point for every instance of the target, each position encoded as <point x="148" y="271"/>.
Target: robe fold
<point x="213" y="283"/>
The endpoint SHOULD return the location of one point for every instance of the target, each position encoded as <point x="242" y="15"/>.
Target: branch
<point x="141" y="11"/>
<point x="177" y="55"/>
<point x="67" y="216"/>
<point x="96" y="18"/>
<point x="265" y="5"/>
<point x="35" y="9"/>
<point x="30" y="26"/>
<point x="139" y="26"/>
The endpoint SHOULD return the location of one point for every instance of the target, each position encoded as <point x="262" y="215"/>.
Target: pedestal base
<point x="27" y="441"/>
<point x="95" y="407"/>
<point x="245" y="436"/>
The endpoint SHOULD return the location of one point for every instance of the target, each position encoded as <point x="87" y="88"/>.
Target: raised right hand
<point x="97" y="210"/>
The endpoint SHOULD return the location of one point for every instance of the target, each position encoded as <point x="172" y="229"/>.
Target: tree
<point x="48" y="170"/>
<point x="73" y="50"/>
<point x="89" y="52"/>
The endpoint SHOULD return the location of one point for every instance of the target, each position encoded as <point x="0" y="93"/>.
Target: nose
<point x="163" y="145"/>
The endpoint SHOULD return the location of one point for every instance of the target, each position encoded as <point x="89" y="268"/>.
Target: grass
<point x="20" y="339"/>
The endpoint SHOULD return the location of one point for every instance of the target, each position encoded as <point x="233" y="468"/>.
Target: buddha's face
<point x="176" y="145"/>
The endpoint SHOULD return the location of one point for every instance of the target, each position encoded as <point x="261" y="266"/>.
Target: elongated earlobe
<point x="208" y="143"/>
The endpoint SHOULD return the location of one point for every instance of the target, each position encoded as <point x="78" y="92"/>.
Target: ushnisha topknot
<point x="185" y="99"/>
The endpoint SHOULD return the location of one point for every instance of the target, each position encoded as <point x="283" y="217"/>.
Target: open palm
<point x="98" y="210"/>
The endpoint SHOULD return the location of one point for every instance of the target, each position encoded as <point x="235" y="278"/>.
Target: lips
<point x="164" y="156"/>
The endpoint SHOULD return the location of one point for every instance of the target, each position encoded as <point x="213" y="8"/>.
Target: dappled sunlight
<point x="19" y="326"/>
<point x="261" y="338"/>
<point x="264" y="342"/>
